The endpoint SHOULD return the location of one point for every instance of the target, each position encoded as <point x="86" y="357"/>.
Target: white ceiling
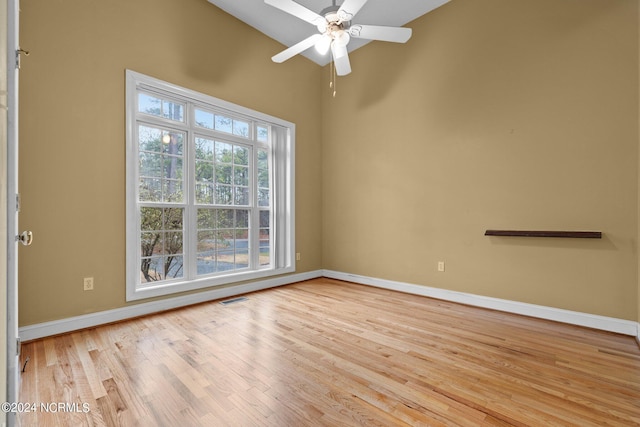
<point x="289" y="30"/>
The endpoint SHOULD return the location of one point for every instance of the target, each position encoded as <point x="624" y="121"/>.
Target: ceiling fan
<point x="335" y="31"/>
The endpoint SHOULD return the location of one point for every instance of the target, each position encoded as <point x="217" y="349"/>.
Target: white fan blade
<point x="297" y="10"/>
<point x="376" y="32"/>
<point x="349" y="9"/>
<point x="341" y="59"/>
<point x="296" y="48"/>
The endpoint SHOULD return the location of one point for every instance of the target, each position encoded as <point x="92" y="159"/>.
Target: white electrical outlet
<point x="88" y="283"/>
<point x="440" y="265"/>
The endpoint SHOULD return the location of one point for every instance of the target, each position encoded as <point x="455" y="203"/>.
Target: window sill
<point x="175" y="287"/>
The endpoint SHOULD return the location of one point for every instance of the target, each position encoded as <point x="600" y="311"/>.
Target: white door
<point x="13" y="238"/>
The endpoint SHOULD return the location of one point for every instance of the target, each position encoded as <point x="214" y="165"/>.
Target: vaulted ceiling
<point x="289" y="30"/>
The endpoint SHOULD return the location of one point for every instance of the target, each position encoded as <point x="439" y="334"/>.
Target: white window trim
<point x="283" y="194"/>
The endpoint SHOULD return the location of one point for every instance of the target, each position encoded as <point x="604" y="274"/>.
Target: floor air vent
<point x="233" y="300"/>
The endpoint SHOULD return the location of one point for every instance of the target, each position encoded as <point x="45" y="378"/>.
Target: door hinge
<point x="17" y="202"/>
<point x="18" y="346"/>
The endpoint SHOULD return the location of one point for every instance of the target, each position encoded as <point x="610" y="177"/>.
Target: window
<point x="209" y="191"/>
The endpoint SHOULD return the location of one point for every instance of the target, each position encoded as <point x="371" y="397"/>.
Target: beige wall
<point x="73" y="131"/>
<point x="497" y="114"/>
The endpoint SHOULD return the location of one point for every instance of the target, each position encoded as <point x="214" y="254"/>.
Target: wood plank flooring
<point x="331" y="353"/>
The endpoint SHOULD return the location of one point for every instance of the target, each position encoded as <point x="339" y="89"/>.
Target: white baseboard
<point x="610" y="324"/>
<point x="56" y="327"/>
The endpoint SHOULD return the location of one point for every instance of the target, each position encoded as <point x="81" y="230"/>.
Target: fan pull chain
<point x="331" y="75"/>
<point x="333" y="81"/>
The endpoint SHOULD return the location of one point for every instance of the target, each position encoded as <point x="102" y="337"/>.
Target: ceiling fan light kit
<point x="335" y="31"/>
<point x="323" y="44"/>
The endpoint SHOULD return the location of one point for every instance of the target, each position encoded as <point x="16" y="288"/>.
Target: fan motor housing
<point x="331" y="9"/>
<point x="331" y="15"/>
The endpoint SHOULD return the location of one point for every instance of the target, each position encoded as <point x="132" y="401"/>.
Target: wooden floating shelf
<point x="523" y="233"/>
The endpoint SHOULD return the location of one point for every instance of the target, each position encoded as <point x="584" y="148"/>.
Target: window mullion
<point x="190" y="232"/>
<point x="254" y="227"/>
<point x="273" y="194"/>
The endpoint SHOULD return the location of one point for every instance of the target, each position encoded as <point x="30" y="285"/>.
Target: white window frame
<point x="282" y="153"/>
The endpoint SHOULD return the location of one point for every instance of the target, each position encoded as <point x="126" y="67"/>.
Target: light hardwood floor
<point x="325" y="352"/>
